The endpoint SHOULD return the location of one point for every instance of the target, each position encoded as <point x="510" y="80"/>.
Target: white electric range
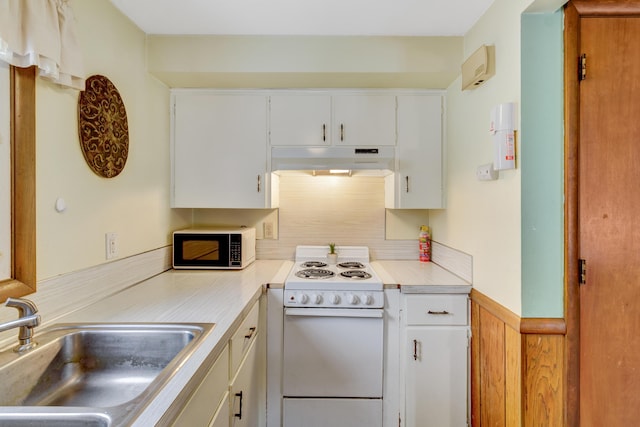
<point x="348" y="283"/>
<point x="333" y="337"/>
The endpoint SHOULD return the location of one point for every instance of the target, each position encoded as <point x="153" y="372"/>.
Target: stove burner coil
<point x="315" y="273"/>
<point x="356" y="274"/>
<point x="351" y="264"/>
<point x="316" y="264"/>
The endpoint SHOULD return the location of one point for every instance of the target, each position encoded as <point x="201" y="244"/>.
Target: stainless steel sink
<point x="92" y="374"/>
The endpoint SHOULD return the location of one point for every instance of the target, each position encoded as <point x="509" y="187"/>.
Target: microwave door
<point x="201" y="251"/>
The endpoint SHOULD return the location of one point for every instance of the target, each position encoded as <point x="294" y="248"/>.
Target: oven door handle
<point x="375" y="313"/>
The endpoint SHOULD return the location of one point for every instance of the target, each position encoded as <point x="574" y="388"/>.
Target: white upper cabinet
<point x="300" y="119"/>
<point x="367" y="119"/>
<point x="332" y="118"/>
<point x="418" y="181"/>
<point x="219" y="150"/>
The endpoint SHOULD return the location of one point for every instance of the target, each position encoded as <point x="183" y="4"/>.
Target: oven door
<point x="333" y="353"/>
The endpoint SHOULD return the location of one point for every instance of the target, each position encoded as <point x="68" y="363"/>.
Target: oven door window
<point x="332" y="356"/>
<point x="202" y="251"/>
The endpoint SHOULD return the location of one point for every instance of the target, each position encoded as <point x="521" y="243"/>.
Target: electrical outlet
<point x="268" y="230"/>
<point x="111" y="245"/>
<point x="486" y="172"/>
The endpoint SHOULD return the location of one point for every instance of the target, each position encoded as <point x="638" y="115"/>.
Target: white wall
<point x="134" y="204"/>
<point x="483" y="218"/>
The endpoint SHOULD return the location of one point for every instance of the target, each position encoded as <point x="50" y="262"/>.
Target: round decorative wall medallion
<point x="102" y="126"/>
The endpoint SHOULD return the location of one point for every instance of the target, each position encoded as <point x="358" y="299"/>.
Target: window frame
<point x="23" y="184"/>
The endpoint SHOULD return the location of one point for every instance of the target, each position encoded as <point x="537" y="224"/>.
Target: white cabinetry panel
<point x="435" y="362"/>
<point x="418" y="181"/>
<point x="219" y="150"/>
<point x="364" y="119"/>
<point x="300" y="119"/>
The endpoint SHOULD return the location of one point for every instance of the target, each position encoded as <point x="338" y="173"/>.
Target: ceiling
<point x="305" y="17"/>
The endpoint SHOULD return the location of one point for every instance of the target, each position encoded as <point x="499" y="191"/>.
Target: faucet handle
<point x="25" y="307"/>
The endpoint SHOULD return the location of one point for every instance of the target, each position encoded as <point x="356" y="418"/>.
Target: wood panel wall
<point x="517" y="367"/>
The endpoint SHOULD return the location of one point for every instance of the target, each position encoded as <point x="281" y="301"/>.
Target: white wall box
<point x="336" y="118"/>
<point x="418" y="181"/>
<point x="435" y="360"/>
<point x="219" y="149"/>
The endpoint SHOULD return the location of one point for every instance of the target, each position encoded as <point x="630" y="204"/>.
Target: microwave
<point x="214" y="248"/>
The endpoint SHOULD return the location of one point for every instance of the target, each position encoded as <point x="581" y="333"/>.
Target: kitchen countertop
<point x="419" y="277"/>
<point x="222" y="297"/>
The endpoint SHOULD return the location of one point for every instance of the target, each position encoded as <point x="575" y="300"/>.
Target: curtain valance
<point x="42" y="33"/>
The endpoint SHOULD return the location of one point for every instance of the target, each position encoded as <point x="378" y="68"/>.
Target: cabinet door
<point x="364" y="119"/>
<point x="300" y="119"/>
<point x="212" y="391"/>
<point x="219" y="150"/>
<point x="221" y="418"/>
<point x="436" y="375"/>
<point x="418" y="181"/>
<point x="245" y="391"/>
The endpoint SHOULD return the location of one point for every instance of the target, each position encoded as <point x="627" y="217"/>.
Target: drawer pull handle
<point x="324" y="132"/>
<point x="239" y="413"/>
<point x="250" y="334"/>
<point x="415" y="349"/>
<point x="438" y="312"/>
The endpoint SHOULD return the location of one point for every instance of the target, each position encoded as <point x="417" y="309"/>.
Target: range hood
<point x="324" y="158"/>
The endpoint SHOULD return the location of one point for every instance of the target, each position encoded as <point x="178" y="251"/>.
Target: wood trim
<point x="571" y="287"/>
<point x="546" y="326"/>
<point x="23" y="183"/>
<point x="606" y="7"/>
<point x="505" y="315"/>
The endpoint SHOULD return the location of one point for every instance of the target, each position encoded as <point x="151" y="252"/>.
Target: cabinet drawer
<point x="436" y="310"/>
<point x="242" y="339"/>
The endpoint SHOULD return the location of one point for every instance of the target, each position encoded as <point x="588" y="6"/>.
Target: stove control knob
<point x="304" y="298"/>
<point x="334" y="298"/>
<point x="367" y="299"/>
<point x="353" y="299"/>
<point x="316" y="298"/>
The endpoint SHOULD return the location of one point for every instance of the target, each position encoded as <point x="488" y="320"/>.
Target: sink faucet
<point x="27" y="320"/>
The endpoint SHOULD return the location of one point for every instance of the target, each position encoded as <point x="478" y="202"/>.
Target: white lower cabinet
<point x="435" y="361"/>
<point x="231" y="393"/>
<point x="212" y="393"/>
<point x="221" y="417"/>
<point x="244" y="391"/>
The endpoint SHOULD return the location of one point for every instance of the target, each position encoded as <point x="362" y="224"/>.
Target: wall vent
<point x="478" y="68"/>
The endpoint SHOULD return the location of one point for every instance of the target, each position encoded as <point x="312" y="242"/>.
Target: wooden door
<point x="608" y="216"/>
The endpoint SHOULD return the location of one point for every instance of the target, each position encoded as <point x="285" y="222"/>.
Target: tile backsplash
<point x="345" y="210"/>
